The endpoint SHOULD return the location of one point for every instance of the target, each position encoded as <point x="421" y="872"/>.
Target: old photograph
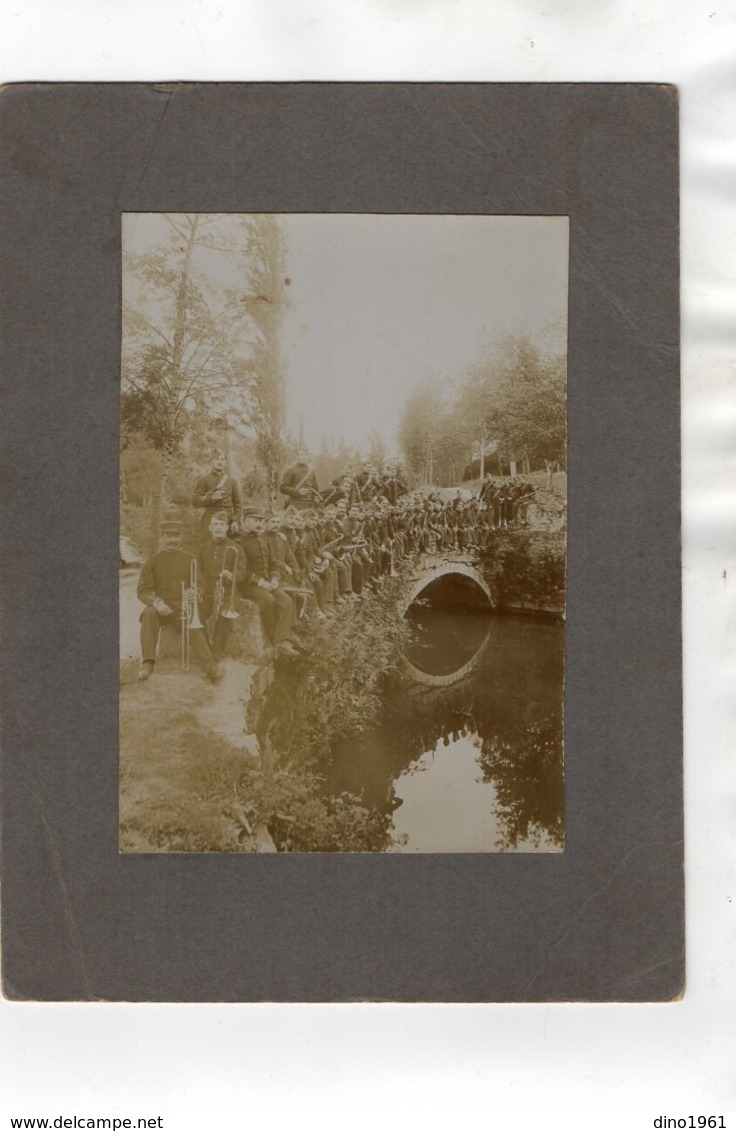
<point x="343" y="490"/>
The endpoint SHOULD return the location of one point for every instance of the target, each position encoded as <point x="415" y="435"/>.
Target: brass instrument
<point x="230" y="612"/>
<point x="189" y="612"/>
<point x="326" y="548"/>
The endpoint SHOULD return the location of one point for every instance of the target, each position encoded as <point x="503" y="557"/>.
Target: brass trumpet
<point x="189" y="612"/>
<point x="230" y="612"/>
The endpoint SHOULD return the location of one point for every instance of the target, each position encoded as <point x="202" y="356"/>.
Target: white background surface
<point x="441" y="1066"/>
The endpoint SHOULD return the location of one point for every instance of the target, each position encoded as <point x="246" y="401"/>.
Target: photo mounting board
<point x="602" y="921"/>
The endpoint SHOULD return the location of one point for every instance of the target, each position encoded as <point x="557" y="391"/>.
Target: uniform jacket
<point x="231" y="503"/>
<point x="257" y="558"/>
<point x="368" y="486"/>
<point x="162" y="576"/>
<point x="211" y="563"/>
<point x="392" y="487"/>
<point x="299" y="476"/>
<point x="281" y="554"/>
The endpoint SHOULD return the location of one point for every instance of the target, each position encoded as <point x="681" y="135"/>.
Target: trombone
<point x="189" y="612"/>
<point x="230" y="612"/>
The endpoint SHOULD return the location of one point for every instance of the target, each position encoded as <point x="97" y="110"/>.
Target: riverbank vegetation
<point x="334" y="689"/>
<point x="216" y="799"/>
<point x="528" y="570"/>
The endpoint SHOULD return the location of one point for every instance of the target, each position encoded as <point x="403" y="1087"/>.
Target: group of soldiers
<point x="326" y="548"/>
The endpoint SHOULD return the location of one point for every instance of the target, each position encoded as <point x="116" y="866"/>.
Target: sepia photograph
<point x="343" y="530"/>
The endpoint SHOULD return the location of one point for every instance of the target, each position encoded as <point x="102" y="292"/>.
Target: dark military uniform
<point x="211" y="564"/>
<point x="275" y="606"/>
<point x="281" y="557"/>
<point x="392" y="487"/>
<point x="368" y="485"/>
<point x="161" y="579"/>
<point x="211" y="485"/>
<point x="297" y="478"/>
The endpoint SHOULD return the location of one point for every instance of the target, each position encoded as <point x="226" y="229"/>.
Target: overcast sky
<point x="380" y="302"/>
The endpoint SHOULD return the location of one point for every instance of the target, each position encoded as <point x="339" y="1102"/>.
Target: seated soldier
<point x="284" y="564"/>
<point x="282" y="557"/>
<point x="221" y="567"/>
<point x="316" y="567"/>
<point x="325" y="564"/>
<point x="367" y="482"/>
<point x="261" y="583"/>
<point x="165" y="578"/>
<point x="344" y="552"/>
<point x="292" y="527"/>
<point x="392" y="486"/>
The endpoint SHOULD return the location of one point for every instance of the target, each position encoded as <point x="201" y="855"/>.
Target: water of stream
<point x="474" y="764"/>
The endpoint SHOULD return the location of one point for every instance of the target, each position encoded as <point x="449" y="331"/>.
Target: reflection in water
<point x="443" y="810"/>
<point x="445" y="641"/>
<point x="476" y="766"/>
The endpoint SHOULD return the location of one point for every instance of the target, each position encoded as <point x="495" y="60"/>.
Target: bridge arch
<point x="425" y="574"/>
<point x="429" y="573"/>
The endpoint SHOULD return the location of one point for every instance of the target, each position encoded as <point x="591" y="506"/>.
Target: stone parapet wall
<point x="525" y="570"/>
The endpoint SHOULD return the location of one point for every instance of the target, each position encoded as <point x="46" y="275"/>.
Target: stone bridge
<point x="421" y="571"/>
<point x="522" y="571"/>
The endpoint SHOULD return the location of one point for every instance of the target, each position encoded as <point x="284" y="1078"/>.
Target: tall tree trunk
<point x="175" y="378"/>
<point x="182" y="298"/>
<point x="157" y="502"/>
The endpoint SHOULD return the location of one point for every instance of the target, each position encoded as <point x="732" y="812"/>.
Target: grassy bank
<point x="185" y="786"/>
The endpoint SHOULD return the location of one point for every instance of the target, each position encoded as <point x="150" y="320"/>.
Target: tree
<point x="377" y="450"/>
<point x="533" y="418"/>
<point x="185" y="340"/>
<point x="263" y="254"/>
<point x="515" y="400"/>
<point x="421" y="429"/>
<point x="477" y="408"/>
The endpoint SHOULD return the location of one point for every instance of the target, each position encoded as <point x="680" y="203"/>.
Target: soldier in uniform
<point x="216" y="491"/>
<point x="343" y="486"/>
<point x="299" y="483"/>
<point x="160" y="590"/>
<point x="354" y="523"/>
<point x="261" y="583"/>
<point x="318" y="567"/>
<point x="486" y="489"/>
<point x="292" y="527"/>
<point x="217" y="581"/>
<point x="283" y="560"/>
<point x="334" y="544"/>
<point x="526" y="496"/>
<point x="392" y="486"/>
<point x="368" y="483"/>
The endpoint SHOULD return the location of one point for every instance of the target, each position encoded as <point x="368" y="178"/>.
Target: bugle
<point x="189" y="612"/>
<point x="230" y="612"/>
